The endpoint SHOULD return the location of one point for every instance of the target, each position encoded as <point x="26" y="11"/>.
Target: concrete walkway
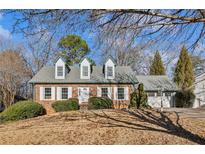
<point x="188" y="112"/>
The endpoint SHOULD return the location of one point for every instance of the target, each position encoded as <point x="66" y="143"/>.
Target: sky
<point x="6" y="33"/>
<point x="17" y="38"/>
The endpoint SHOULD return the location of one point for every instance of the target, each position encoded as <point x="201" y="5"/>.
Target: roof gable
<point x="110" y="58"/>
<point x="59" y="58"/>
<point x="85" y="59"/>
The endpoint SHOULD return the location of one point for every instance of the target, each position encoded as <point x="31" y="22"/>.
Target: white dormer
<point x="85" y="69"/>
<point x="60" y="69"/>
<point x="109" y="69"/>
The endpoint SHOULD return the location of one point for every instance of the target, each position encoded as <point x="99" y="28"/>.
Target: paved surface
<point x="189" y="112"/>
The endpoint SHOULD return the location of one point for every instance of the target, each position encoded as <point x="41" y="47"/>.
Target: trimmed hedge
<point x="22" y="110"/>
<point x="99" y="103"/>
<point x="66" y="105"/>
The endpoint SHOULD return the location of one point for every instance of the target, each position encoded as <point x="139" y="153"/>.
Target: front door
<point x="83" y="94"/>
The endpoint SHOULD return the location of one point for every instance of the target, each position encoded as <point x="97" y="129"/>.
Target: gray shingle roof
<point x="124" y="74"/>
<point x="152" y="82"/>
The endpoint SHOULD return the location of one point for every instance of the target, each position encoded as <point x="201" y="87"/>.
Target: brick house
<point x="61" y="82"/>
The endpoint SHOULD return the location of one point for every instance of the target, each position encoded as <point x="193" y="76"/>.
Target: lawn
<point x="105" y="127"/>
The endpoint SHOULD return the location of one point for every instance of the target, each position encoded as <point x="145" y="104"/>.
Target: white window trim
<point x="52" y="93"/>
<point x="58" y="70"/>
<point x="109" y="63"/>
<point x="83" y="67"/>
<point x="59" y="93"/>
<point x="106" y="72"/>
<point x="110" y="76"/>
<point x="62" y="92"/>
<point x="85" y="63"/>
<point x="107" y="91"/>
<point x="44" y="92"/>
<point x="126" y="94"/>
<point x="60" y="63"/>
<point x="99" y="91"/>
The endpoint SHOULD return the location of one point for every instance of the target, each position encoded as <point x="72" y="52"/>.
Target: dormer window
<point x="60" y="71"/>
<point x="85" y="70"/>
<point x="110" y="71"/>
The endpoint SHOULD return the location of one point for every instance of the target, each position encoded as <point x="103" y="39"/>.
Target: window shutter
<point x="110" y="92"/>
<point x="53" y="93"/>
<point x="115" y="93"/>
<point x="69" y="92"/>
<point x="42" y="89"/>
<point x="126" y="93"/>
<point x="98" y="91"/>
<point x="59" y="93"/>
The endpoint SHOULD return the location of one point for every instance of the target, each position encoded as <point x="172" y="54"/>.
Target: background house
<point x="159" y="88"/>
<point x="199" y="90"/>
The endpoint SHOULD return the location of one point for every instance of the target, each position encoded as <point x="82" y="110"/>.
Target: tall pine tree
<point x="183" y="75"/>
<point x="157" y="66"/>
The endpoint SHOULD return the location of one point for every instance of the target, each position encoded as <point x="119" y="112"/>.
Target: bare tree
<point x="127" y="54"/>
<point x="13" y="73"/>
<point x="160" y="25"/>
<point x="158" y="29"/>
<point x="178" y="26"/>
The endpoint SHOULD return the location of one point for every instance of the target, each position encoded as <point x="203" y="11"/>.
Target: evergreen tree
<point x="157" y="66"/>
<point x="183" y="75"/>
<point x="139" y="98"/>
<point x="73" y="49"/>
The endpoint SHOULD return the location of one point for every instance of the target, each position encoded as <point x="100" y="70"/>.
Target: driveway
<point x="188" y="112"/>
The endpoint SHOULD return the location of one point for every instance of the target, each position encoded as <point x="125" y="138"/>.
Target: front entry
<point x="83" y="94"/>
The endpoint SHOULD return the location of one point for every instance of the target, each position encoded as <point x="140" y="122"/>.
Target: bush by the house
<point x="99" y="103"/>
<point x="22" y="110"/>
<point x="139" y="98"/>
<point x="66" y="105"/>
<point x="184" y="98"/>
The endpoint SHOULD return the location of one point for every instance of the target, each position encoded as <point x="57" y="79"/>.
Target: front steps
<point x="84" y="106"/>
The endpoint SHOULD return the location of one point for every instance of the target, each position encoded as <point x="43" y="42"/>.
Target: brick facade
<point x="117" y="104"/>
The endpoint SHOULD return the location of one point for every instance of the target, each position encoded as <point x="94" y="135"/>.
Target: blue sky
<point x="17" y="38"/>
<point x="6" y="28"/>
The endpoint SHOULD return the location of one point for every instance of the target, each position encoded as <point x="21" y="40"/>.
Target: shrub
<point x="99" y="103"/>
<point x="184" y="98"/>
<point x="139" y="98"/>
<point x="66" y="105"/>
<point x="22" y="110"/>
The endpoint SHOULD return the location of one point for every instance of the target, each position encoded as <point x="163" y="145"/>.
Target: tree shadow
<point x="159" y="122"/>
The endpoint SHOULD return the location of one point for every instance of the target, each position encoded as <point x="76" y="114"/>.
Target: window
<point x="85" y="70"/>
<point x="64" y="93"/>
<point x="120" y="93"/>
<point x="167" y="94"/>
<point x="109" y="71"/>
<point x="47" y="93"/>
<point x="104" y="92"/>
<point x="60" y="71"/>
<point x="151" y="94"/>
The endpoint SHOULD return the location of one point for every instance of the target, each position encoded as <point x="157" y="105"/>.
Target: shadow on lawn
<point x="160" y="123"/>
